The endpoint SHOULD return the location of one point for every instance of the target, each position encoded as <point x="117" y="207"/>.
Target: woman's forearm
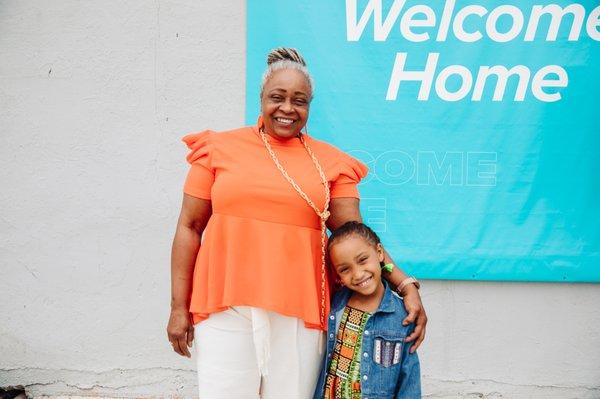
<point x="397" y="276"/>
<point x="194" y="216"/>
<point x="183" y="258"/>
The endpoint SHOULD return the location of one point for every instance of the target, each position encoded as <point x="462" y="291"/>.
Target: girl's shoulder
<point x="400" y="309"/>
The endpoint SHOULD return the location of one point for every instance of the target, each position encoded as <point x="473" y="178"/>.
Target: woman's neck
<point x="280" y="138"/>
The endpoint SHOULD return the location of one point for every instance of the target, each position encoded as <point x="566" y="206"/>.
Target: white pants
<point x="250" y="353"/>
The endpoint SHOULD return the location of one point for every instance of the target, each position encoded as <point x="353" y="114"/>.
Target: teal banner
<point x="478" y="121"/>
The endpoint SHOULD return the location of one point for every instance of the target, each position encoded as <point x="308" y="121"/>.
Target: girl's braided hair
<point x="354" y="227"/>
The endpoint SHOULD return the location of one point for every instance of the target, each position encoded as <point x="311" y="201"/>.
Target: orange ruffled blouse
<point x="262" y="244"/>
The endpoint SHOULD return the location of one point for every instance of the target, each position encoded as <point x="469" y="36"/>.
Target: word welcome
<point x="409" y="21"/>
<point x="470" y="24"/>
<point x="429" y="168"/>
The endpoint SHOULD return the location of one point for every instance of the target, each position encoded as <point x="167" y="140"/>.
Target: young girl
<point x="366" y="355"/>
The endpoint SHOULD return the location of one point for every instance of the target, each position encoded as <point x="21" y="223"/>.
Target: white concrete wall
<point x="95" y="97"/>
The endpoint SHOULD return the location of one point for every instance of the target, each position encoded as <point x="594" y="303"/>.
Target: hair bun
<point x="285" y="54"/>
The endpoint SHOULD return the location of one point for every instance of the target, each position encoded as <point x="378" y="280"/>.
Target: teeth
<point x="365" y="282"/>
<point x="284" y="120"/>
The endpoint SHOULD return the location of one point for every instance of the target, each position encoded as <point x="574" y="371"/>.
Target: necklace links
<point x="323" y="215"/>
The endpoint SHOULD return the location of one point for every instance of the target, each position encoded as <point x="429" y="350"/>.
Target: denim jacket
<point x="387" y="369"/>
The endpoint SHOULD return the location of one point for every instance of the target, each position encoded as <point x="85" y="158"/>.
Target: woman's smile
<point x="286" y="121"/>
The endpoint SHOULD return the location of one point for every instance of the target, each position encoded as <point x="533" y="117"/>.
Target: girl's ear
<point x="380" y="252"/>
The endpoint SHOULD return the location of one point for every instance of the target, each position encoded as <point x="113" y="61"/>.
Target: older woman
<point x="255" y="291"/>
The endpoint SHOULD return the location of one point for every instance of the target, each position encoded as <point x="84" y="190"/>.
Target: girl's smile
<point x="357" y="263"/>
<point x="364" y="282"/>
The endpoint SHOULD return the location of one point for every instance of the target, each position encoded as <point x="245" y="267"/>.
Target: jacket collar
<point x="387" y="304"/>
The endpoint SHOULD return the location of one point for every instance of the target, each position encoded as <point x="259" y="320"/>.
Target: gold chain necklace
<point x="323" y="215"/>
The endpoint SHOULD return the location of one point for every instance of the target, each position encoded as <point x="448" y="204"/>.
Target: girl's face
<point x="357" y="263"/>
<point x="284" y="103"/>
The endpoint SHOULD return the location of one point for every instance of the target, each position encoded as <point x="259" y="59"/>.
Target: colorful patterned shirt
<point x="343" y="373"/>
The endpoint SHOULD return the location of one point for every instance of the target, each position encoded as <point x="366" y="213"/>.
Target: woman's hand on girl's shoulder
<point x="416" y="314"/>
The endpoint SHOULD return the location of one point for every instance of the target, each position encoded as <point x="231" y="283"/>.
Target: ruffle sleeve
<point x="351" y="171"/>
<point x="201" y="176"/>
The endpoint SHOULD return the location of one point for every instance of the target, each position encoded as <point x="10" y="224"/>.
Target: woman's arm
<point x="346" y="209"/>
<point x="194" y="215"/>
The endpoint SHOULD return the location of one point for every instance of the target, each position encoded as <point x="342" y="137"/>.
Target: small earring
<point x="261" y="122"/>
<point x="302" y="133"/>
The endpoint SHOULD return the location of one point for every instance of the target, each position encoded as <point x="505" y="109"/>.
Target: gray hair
<point x="286" y="58"/>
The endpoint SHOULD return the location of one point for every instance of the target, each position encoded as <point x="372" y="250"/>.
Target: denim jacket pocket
<point x="387" y="353"/>
<point x="387" y="358"/>
<point x="387" y="350"/>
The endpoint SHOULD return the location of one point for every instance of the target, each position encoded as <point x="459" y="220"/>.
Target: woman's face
<point x="284" y="103"/>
